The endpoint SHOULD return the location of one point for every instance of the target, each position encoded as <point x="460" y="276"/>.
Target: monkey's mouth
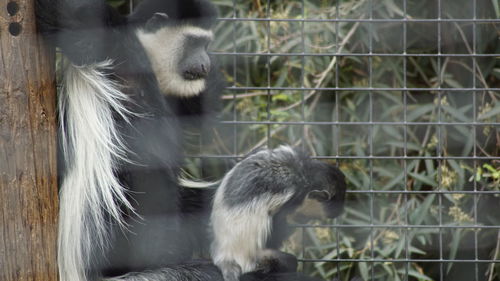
<point x="196" y="73"/>
<point x="192" y="75"/>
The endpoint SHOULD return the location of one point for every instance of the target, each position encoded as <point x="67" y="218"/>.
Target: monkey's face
<point x="333" y="196"/>
<point x="179" y="57"/>
<point x="318" y="204"/>
<point x="310" y="209"/>
<point x="327" y="201"/>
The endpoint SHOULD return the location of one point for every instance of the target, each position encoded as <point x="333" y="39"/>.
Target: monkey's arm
<point x="272" y="261"/>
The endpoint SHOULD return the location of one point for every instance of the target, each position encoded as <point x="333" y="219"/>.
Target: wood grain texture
<point x="28" y="170"/>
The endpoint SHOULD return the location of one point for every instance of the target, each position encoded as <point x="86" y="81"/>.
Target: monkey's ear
<point x="157" y="21"/>
<point x="320" y="195"/>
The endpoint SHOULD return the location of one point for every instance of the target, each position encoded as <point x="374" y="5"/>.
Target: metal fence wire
<point x="403" y="95"/>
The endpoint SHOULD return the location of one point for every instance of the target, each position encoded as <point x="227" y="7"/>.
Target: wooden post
<point x="28" y="171"/>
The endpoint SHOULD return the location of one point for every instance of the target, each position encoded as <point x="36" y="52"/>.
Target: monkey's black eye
<point x="320" y="195"/>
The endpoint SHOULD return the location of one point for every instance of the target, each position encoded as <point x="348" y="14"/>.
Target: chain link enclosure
<point x="403" y="95"/>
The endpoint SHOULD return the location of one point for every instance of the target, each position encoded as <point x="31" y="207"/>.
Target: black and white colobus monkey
<point x="259" y="197"/>
<point x="130" y="84"/>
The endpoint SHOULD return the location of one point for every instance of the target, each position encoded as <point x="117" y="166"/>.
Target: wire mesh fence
<point x="403" y="96"/>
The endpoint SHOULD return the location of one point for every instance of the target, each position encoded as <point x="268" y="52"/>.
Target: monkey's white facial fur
<point x="165" y="48"/>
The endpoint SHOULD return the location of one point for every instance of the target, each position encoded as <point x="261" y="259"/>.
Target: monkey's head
<point x="325" y="193"/>
<point x="169" y="37"/>
<point x="175" y="35"/>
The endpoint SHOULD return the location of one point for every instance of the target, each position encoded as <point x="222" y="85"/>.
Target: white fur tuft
<point x="185" y="180"/>
<point x="90" y="191"/>
<point x="240" y="232"/>
<point x="197" y="184"/>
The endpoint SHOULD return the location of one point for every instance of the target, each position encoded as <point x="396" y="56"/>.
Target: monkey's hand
<point x="273" y="261"/>
<point x="273" y="265"/>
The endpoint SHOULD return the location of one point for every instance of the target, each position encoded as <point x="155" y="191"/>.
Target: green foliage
<point x="366" y="117"/>
<point x="369" y="121"/>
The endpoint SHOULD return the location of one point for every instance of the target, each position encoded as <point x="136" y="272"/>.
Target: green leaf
<point x="420" y="111"/>
<point x="452" y="82"/>
<point x="455" y="242"/>
<point x="363" y="269"/>
<point x="353" y="179"/>
<point x="494" y="112"/>
<point x="457" y="114"/>
<point x="280" y="97"/>
<point x="422" y="210"/>
<point x="459" y="170"/>
<point x="416" y="250"/>
<point x="388" y="268"/>
<point x="479" y="174"/>
<point x="409" y="145"/>
<point x="333" y="271"/>
<point x="496" y="7"/>
<point x="391" y="6"/>
<point x="416" y="274"/>
<point x="429" y="165"/>
<point x="397" y="179"/>
<point x="393" y="131"/>
<point x="424" y="179"/>
<point x="359" y="214"/>
<point x="400" y="247"/>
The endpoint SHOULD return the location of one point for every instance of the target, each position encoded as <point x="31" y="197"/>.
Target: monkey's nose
<point x="196" y="72"/>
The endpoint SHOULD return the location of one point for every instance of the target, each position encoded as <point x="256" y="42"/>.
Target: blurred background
<point x="403" y="95"/>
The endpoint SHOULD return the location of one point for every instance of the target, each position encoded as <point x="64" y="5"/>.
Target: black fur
<point x="314" y="174"/>
<point x="277" y="185"/>
<point x="91" y="31"/>
<point x="281" y="173"/>
<point x="158" y="244"/>
<point x="195" y="12"/>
